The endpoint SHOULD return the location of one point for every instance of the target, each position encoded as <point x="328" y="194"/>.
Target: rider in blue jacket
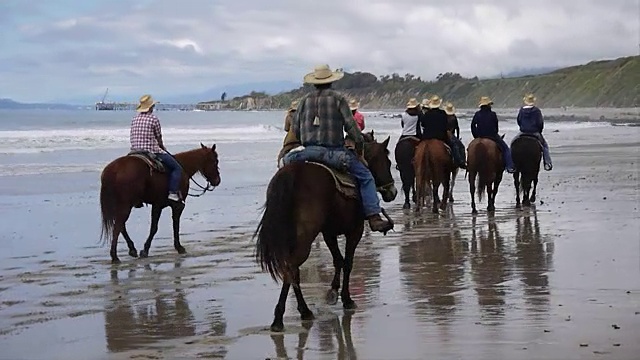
<point x="531" y="122"/>
<point x="485" y="124"/>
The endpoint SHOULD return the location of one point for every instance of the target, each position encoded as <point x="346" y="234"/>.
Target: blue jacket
<point x="484" y="123"/>
<point x="530" y="119"/>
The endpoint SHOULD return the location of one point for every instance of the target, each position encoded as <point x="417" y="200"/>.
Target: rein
<point x="204" y="189"/>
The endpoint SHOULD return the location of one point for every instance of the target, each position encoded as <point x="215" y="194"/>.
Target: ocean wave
<point x="36" y="141"/>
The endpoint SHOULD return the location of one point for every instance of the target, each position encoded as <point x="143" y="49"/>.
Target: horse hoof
<point x="144" y="254"/>
<point x="435" y="210"/>
<point x="307" y="315"/>
<point x="277" y="327"/>
<point x="518" y="206"/>
<point x="533" y="199"/>
<point x="451" y="199"/>
<point x="350" y="305"/>
<point x="133" y="253"/>
<point x="115" y="261"/>
<point x="332" y="297"/>
<point x="474" y="212"/>
<point x="181" y="250"/>
<point x="406" y="206"/>
<point x="491" y="209"/>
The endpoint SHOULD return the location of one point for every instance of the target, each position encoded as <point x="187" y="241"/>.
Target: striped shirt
<point x="330" y="112"/>
<point x="144" y="133"/>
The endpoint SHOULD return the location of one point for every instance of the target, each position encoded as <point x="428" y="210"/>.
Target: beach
<point x="560" y="280"/>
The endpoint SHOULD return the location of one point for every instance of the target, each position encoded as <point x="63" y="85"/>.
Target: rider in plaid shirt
<point x="146" y="135"/>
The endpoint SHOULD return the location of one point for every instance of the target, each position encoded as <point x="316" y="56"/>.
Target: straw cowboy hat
<point x="435" y="102"/>
<point x="322" y="74"/>
<point x="146" y="102"/>
<point x="353" y="104"/>
<point x="529" y="99"/>
<point x="412" y="103"/>
<point x="424" y="103"/>
<point x="449" y="108"/>
<point x="485" y="100"/>
<point x="293" y="106"/>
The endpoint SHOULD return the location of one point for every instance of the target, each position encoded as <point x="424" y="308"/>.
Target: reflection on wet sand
<point x="328" y="330"/>
<point x="142" y="314"/>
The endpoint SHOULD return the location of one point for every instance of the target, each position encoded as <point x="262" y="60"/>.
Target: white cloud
<point x="192" y="45"/>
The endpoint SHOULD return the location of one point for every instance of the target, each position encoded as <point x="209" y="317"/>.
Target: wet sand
<point x="558" y="281"/>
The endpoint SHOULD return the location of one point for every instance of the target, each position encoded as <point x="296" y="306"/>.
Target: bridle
<point x="203" y="189"/>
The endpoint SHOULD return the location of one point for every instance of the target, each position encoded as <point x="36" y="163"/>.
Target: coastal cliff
<point x="608" y="83"/>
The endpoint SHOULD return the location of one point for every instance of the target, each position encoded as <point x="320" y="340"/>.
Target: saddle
<point x="345" y="183"/>
<point x="527" y="136"/>
<point x="150" y="158"/>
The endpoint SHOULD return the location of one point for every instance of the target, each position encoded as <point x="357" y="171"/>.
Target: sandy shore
<point x="557" y="281"/>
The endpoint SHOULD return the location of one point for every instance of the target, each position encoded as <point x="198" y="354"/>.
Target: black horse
<point x="527" y="153"/>
<point x="404" y="152"/>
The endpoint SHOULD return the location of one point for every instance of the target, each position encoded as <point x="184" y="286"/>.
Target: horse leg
<point x="526" y="190"/>
<point x="278" y="325"/>
<point x="496" y="186"/>
<point x="490" y="206"/>
<point x="406" y="187"/>
<point x="156" y="210"/>
<point x="132" y="247"/>
<point x="303" y="308"/>
<point x="453" y="184"/>
<point x="338" y="262"/>
<point x="472" y="190"/>
<point x="436" y="198"/>
<point x="535" y="187"/>
<point x="120" y="220"/>
<point x="353" y="238"/>
<point x="445" y="193"/>
<point x="176" y="212"/>
<point x="516" y="184"/>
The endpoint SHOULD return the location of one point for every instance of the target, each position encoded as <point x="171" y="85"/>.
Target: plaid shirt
<point x="145" y="131"/>
<point x="334" y="115"/>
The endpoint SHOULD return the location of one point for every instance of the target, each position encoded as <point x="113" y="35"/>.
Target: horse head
<point x="210" y="169"/>
<point x="377" y="156"/>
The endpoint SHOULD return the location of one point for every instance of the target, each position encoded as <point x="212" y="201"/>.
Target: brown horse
<point x="303" y="200"/>
<point x="434" y="167"/>
<point x="484" y="161"/>
<point x="129" y="181"/>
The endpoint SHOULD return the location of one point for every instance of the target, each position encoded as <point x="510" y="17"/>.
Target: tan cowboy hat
<point x="353" y="104"/>
<point x="485" y="100"/>
<point x="529" y="99"/>
<point x="425" y="103"/>
<point x="294" y="105"/>
<point x="146" y="102"/>
<point x="434" y="102"/>
<point x="449" y="108"/>
<point x="412" y="103"/>
<point x="322" y="74"/>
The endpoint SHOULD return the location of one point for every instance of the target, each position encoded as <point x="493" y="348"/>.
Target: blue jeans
<point x="344" y="160"/>
<point x="506" y="151"/>
<point x="173" y="168"/>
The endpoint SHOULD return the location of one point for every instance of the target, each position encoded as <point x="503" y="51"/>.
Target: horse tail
<point x="482" y="163"/>
<point x="276" y="232"/>
<point x="107" y="205"/>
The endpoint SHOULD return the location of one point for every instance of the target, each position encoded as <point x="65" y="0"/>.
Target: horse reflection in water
<point x="137" y="318"/>
<point x="326" y="331"/>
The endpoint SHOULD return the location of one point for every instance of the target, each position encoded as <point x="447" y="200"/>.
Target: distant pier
<point x="114" y="106"/>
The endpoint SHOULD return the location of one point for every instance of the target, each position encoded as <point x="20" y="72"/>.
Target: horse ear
<point x="202" y="146"/>
<point x="386" y="141"/>
<point x="213" y="147"/>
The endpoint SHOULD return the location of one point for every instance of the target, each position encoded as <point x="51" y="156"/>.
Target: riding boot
<point x="376" y="223"/>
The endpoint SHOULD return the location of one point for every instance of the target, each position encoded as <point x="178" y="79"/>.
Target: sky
<point x="63" y="49"/>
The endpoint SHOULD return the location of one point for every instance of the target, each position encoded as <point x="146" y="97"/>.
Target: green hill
<point x="608" y="83"/>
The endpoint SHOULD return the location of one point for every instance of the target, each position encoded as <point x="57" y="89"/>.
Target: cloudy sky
<point x="58" y="49"/>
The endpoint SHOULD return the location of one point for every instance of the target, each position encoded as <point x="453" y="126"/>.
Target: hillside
<point x="609" y="83"/>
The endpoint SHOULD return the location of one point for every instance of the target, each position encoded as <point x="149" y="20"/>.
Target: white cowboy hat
<point x="425" y="103"/>
<point x="449" y="109"/>
<point x="485" y="100"/>
<point x="434" y="102"/>
<point x="322" y="74"/>
<point x="146" y="102"/>
<point x="529" y="99"/>
<point x="353" y="104"/>
<point x="294" y="105"/>
<point x="412" y="103"/>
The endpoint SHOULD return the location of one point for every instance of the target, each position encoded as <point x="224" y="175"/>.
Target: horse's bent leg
<point x="535" y="187"/>
<point x="516" y="184"/>
<point x="338" y="262"/>
<point x="472" y="190"/>
<point x="353" y="238"/>
<point x="494" y="191"/>
<point x="153" y="229"/>
<point x="132" y="247"/>
<point x="303" y="308"/>
<point x="176" y="212"/>
<point x="121" y="219"/>
<point x="278" y="325"/>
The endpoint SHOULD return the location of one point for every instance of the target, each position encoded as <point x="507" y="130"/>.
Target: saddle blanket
<point x="150" y="158"/>
<point x="345" y="183"/>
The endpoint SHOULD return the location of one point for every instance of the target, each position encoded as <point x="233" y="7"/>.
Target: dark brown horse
<point x="303" y="200"/>
<point x="527" y="154"/>
<point x="129" y="181"/>
<point x="434" y="167"/>
<point x="404" y="153"/>
<point x="484" y="161"/>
